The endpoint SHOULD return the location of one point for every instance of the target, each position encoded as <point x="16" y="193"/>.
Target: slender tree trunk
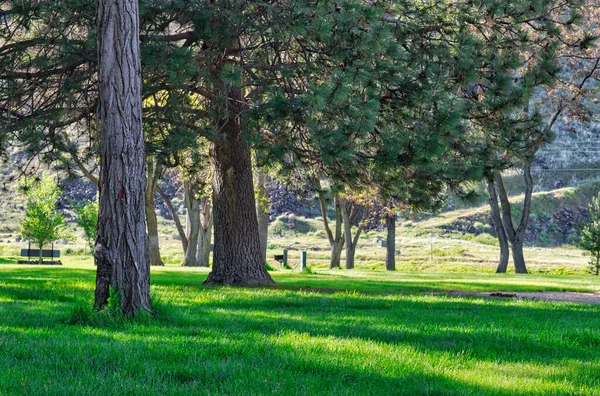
<point x="121" y="251"/>
<point x="154" y="170"/>
<point x="516" y="235"/>
<point x="237" y="253"/>
<point x="41" y="261"/>
<point x="192" y="203"/>
<point x="205" y="236"/>
<point x="262" y="210"/>
<point x="498" y="227"/>
<point x="175" y="216"/>
<point x="336" y="254"/>
<point x="351" y="214"/>
<point x="390" y="255"/>
<point x="518" y="258"/>
<point x="335" y="241"/>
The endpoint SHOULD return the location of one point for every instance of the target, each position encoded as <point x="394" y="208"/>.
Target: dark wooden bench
<point x="33" y="256"/>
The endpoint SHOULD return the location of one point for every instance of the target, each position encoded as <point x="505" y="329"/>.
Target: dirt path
<point x="573" y="297"/>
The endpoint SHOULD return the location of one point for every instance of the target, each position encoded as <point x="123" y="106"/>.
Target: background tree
<point x="589" y="236"/>
<point x="86" y="217"/>
<point x="356" y="209"/>
<point x="513" y="51"/>
<point x="43" y="222"/>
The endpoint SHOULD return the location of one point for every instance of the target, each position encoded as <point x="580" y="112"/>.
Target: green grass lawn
<point x="334" y="332"/>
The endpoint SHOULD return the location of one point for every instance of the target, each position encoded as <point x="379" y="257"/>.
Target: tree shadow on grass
<point x="213" y="362"/>
<point x="490" y="330"/>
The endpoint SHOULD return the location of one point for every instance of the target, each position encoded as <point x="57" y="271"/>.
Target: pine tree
<point x="589" y="235"/>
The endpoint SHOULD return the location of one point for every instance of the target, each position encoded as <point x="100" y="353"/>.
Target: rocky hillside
<point x="554" y="219"/>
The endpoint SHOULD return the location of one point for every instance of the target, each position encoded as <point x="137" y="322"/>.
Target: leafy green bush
<point x="86" y="217"/>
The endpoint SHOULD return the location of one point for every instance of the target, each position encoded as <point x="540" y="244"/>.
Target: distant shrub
<point x="486" y="239"/>
<point x="448" y="251"/>
<point x="589" y="236"/>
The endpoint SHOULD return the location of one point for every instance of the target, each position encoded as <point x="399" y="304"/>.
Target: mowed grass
<point x="336" y="332"/>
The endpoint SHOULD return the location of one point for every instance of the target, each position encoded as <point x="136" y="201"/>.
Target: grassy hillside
<point x="553" y="222"/>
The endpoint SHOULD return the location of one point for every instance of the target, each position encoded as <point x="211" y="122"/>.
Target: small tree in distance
<point x="589" y="235"/>
<point x="86" y="217"/>
<point x="43" y="223"/>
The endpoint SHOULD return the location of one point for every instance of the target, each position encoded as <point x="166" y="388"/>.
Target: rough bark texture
<point x="390" y="255"/>
<point x="498" y="227"/>
<point x="262" y="210"/>
<point x="335" y="241"/>
<point x="236" y="256"/>
<point x="205" y="236"/>
<point x="516" y="236"/>
<point x="192" y="203"/>
<point x="153" y="171"/>
<point x="121" y="251"/>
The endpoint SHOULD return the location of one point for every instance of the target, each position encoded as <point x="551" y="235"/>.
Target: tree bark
<point x="498" y="227"/>
<point x="518" y="257"/>
<point x="262" y="210"/>
<point x="237" y="254"/>
<point x="390" y="255"/>
<point x="336" y="254"/>
<point x="205" y="237"/>
<point x="154" y="171"/>
<point x="121" y="251"/>
<point x="192" y="203"/>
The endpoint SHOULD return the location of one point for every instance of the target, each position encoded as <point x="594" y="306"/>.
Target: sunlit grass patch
<point x="337" y="332"/>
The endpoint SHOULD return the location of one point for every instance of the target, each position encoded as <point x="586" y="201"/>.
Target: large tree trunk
<point x="390" y="255"/>
<point x="205" y="237"/>
<point x="192" y="203"/>
<point x="237" y="256"/>
<point x="498" y="227"/>
<point x="121" y="251"/>
<point x="514" y="235"/>
<point x="262" y="210"/>
<point x="154" y="171"/>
